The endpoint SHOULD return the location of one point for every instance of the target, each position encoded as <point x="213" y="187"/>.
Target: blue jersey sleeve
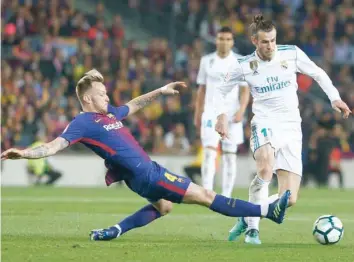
<point x="119" y="112"/>
<point x="74" y="132"/>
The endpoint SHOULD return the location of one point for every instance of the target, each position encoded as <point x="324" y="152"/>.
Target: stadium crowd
<point x="48" y="45"/>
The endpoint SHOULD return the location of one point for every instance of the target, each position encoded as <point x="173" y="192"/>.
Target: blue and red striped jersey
<point x="107" y="137"/>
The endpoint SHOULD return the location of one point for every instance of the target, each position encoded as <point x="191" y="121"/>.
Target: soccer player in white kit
<point x="211" y="67"/>
<point x="276" y="139"/>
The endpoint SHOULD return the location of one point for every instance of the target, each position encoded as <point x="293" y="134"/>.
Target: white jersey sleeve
<point x="306" y="66"/>
<point x="202" y="74"/>
<point x="231" y="80"/>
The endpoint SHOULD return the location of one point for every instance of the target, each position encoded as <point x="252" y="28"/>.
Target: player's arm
<point x="41" y="151"/>
<point x="244" y="100"/>
<point x="230" y="81"/>
<point x="199" y="104"/>
<point x="144" y="100"/>
<point x="306" y="66"/>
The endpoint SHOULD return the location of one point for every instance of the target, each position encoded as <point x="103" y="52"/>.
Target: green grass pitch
<point x="52" y="224"/>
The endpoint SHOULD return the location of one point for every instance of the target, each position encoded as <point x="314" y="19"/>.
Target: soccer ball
<point x="328" y="230"/>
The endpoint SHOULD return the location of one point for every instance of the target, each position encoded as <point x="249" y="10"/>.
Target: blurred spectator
<point x="80" y="25"/>
<point x="117" y="29"/>
<point x="22" y="19"/>
<point x="176" y="140"/>
<point x="192" y="17"/>
<point x="98" y="31"/>
<point x="22" y="51"/>
<point x="210" y="24"/>
<point x="155" y="78"/>
<point x="158" y="144"/>
<point x="98" y="15"/>
<point x="341" y="50"/>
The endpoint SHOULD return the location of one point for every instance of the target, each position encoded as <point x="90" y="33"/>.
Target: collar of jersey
<point x="229" y="55"/>
<point x="263" y="61"/>
<point x="83" y="112"/>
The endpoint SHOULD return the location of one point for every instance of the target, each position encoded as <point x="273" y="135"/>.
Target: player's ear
<point x="87" y="98"/>
<point x="254" y="40"/>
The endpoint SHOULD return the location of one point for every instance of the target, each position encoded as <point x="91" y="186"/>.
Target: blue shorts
<point x="158" y="184"/>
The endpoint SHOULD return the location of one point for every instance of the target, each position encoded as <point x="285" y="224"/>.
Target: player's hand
<point x="341" y="107"/>
<point x="238" y="116"/>
<point x="222" y="126"/>
<point x="169" y="89"/>
<point x="12" y="153"/>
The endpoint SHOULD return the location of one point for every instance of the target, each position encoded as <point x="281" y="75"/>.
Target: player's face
<point x="99" y="98"/>
<point x="224" y="42"/>
<point x="265" y="43"/>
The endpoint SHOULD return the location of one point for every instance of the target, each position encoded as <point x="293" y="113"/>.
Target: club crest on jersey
<point x="211" y="62"/>
<point x="254" y="67"/>
<point x="284" y="64"/>
<point x="110" y="115"/>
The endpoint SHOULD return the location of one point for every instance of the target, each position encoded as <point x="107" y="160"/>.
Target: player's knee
<point x="208" y="196"/>
<point x="264" y="163"/>
<point x="265" y="171"/>
<point x="292" y="200"/>
<point x="166" y="208"/>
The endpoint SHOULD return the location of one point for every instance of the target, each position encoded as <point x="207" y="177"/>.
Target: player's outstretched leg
<point x="235" y="207"/>
<point x="140" y="218"/>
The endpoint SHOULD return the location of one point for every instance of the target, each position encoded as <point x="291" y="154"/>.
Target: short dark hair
<point x="225" y="29"/>
<point x="260" y="24"/>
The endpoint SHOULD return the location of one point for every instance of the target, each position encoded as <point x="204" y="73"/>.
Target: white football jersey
<point x="211" y="68"/>
<point x="273" y="83"/>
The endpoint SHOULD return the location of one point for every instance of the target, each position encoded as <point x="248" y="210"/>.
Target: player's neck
<point x="262" y="57"/>
<point x="89" y="109"/>
<point x="222" y="54"/>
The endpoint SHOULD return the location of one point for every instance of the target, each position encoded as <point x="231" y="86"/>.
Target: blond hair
<point x="85" y="83"/>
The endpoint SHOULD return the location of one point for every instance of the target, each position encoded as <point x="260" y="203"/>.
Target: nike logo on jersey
<point x="98" y="120"/>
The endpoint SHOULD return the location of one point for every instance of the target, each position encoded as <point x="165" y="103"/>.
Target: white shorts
<point x="285" y="138"/>
<point x="211" y="138"/>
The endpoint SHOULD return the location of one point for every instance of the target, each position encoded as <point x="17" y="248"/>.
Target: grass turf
<point x="52" y="224"/>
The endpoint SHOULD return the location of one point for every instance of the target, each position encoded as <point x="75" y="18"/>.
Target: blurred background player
<point x="41" y="171"/>
<point x="210" y="69"/>
<point x="276" y="140"/>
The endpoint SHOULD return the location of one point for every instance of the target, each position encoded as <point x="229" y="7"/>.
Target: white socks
<point x="272" y="198"/>
<point x="258" y="194"/>
<point x="265" y="205"/>
<point x="208" y="168"/>
<point x="264" y="210"/>
<point x="228" y="173"/>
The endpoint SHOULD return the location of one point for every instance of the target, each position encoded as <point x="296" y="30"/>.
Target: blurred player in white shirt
<point x="276" y="139"/>
<point x="211" y="67"/>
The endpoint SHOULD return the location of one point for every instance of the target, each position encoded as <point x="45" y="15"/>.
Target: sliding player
<point x="99" y="128"/>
